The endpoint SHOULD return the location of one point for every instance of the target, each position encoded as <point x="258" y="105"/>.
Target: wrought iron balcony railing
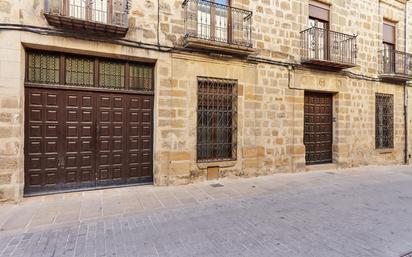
<point x="217" y="23"/>
<point x="328" y="48"/>
<point x="100" y="16"/>
<point x="395" y="65"/>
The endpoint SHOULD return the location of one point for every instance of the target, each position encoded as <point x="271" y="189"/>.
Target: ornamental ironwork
<point x="112" y="12"/>
<point x="384" y="121"/>
<point x="100" y="17"/>
<point x="322" y="46"/>
<point x="216" y="119"/>
<point x="43" y="68"/>
<point x="395" y="62"/>
<point x="216" y="22"/>
<point x="79" y="71"/>
<point x="84" y="71"/>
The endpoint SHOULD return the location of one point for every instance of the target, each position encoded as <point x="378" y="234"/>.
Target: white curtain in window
<point x="99" y="11"/>
<point x="77" y="9"/>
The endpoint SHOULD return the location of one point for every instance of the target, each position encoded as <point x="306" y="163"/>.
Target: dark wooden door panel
<point x="318" y="127"/>
<point x="112" y="147"/>
<point x="140" y="138"/>
<point x="79" y="139"/>
<point x="43" y="138"/>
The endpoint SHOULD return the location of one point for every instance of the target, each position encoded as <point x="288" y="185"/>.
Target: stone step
<point x="319" y="167"/>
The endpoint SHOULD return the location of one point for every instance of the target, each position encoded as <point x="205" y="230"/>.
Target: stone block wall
<point x="270" y="100"/>
<point x="11" y="118"/>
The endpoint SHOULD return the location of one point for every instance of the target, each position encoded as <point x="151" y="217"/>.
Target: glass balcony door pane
<point x="212" y="20"/>
<point x="389" y="58"/>
<point x="77" y="8"/>
<point x="99" y="11"/>
<point x="204" y="20"/>
<point x="318" y="39"/>
<point x="221" y="20"/>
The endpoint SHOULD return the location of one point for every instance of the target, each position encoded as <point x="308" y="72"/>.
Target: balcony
<point x="217" y="28"/>
<point x="328" y="49"/>
<point x="100" y="17"/>
<point x="395" y="65"/>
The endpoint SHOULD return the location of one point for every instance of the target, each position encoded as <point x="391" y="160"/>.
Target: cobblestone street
<point x="343" y="213"/>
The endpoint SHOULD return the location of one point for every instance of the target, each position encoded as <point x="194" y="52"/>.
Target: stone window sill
<point x="220" y="164"/>
<point x="385" y="151"/>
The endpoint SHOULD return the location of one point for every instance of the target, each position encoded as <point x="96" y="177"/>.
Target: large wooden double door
<point x="78" y="139"/>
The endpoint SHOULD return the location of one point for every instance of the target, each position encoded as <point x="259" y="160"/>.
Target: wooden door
<point x="318" y="128"/>
<point x="77" y="139"/>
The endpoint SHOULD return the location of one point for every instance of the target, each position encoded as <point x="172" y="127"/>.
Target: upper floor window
<point x="393" y="64"/>
<point x="389" y="46"/>
<point x="95" y="10"/>
<point x="213" y="20"/>
<point x="98" y="16"/>
<point x="319" y="15"/>
<point x="319" y="18"/>
<point x="208" y="21"/>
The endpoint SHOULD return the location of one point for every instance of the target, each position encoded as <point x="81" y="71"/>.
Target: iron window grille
<point x="84" y="71"/>
<point x="216" y="119"/>
<point x="141" y="77"/>
<point x="111" y="74"/>
<point x="384" y="121"/>
<point x="43" y="68"/>
<point x="79" y="71"/>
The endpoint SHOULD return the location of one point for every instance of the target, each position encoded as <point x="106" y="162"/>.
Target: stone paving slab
<point x="343" y="213"/>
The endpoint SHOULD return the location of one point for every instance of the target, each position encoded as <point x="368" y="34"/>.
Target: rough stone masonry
<point x="270" y="128"/>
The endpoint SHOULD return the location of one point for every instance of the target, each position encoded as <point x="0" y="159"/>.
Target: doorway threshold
<point x="322" y="167"/>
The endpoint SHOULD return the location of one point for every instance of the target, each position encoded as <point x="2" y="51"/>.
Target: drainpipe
<point x="405" y="90"/>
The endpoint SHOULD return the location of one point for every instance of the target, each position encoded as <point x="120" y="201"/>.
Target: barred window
<point x="141" y="77"/>
<point x="79" y="71"/>
<point x="216" y="119"/>
<point x="111" y="74"/>
<point x="384" y="121"/>
<point x="43" y="68"/>
<point x="88" y="71"/>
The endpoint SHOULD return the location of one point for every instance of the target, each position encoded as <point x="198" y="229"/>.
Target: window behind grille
<point x="79" y="71"/>
<point x="111" y="74"/>
<point x="43" y="68"/>
<point x="61" y="69"/>
<point x="216" y="119"/>
<point x="384" y="121"/>
<point x="141" y="77"/>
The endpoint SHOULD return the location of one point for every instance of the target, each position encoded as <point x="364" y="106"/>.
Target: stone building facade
<point x="272" y="83"/>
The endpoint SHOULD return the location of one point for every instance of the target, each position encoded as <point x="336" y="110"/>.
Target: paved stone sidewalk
<point x="354" y="212"/>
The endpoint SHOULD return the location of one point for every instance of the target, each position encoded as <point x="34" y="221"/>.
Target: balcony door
<point x="100" y="11"/>
<point x="213" y="20"/>
<point x="94" y="10"/>
<point x="318" y="38"/>
<point x="389" y="47"/>
<point x="78" y="8"/>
